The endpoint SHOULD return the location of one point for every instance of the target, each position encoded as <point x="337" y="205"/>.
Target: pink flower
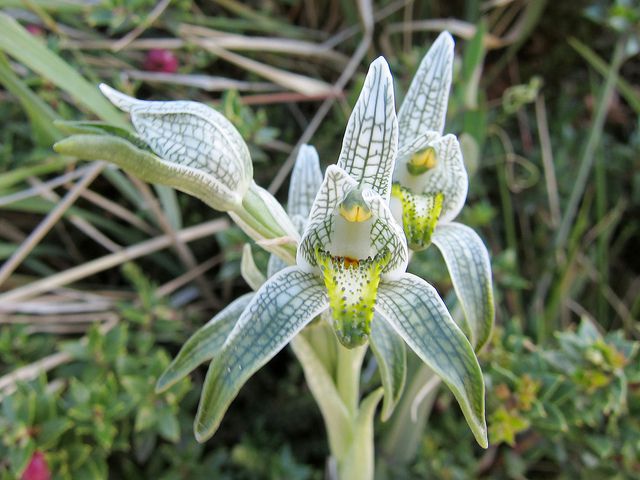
<point x="37" y="468"/>
<point x="161" y="60"/>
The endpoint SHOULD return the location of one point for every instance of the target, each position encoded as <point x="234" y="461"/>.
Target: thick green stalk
<point x="348" y="375"/>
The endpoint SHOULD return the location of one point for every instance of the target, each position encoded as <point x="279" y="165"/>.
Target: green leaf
<point x="203" y="344"/>
<point x="40" y="114"/>
<point x="146" y="417"/>
<point x="416" y="312"/>
<point x="51" y="431"/>
<point x="20" y="455"/>
<point x="391" y="356"/>
<point x="424" y="108"/>
<point x="468" y="263"/>
<point x="324" y="391"/>
<point x="624" y="87"/>
<point x="27" y="49"/>
<point x="278" y="311"/>
<point x="168" y="425"/>
<point x="148" y="167"/>
<point x="371" y="139"/>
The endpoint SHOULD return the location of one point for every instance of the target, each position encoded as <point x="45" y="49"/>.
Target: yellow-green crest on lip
<point x="352" y="285"/>
<point x="420" y="213"/>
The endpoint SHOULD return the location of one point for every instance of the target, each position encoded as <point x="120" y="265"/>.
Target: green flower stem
<point x="256" y="208"/>
<point x="258" y="216"/>
<point x="333" y="377"/>
<point x="348" y="375"/>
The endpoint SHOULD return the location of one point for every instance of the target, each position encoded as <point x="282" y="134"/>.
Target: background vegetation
<point x="104" y="277"/>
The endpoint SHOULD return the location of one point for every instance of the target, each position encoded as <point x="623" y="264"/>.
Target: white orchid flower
<point x="351" y="262"/>
<point x="207" y="341"/>
<point x="430" y="188"/>
<point x="197" y="146"/>
<point x="195" y="150"/>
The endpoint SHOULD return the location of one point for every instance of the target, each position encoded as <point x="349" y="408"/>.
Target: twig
<point x="204" y="82"/>
<point x="48" y="222"/>
<point x="108" y="261"/>
<point x="79" y="222"/>
<point x="294" y="81"/>
<point x="367" y="19"/>
<point x="118" y="211"/>
<point x="171" y="286"/>
<point x="40" y="187"/>
<point x="184" y="253"/>
<point x="136" y="32"/>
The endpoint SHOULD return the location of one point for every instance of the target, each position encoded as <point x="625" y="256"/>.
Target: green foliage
<point x="568" y="411"/>
<point x="99" y="415"/>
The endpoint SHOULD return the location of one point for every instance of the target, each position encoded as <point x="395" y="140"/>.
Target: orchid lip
<point x="352" y="287"/>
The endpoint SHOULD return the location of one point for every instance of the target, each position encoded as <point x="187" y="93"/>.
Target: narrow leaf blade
<point x="249" y="270"/>
<point x="322" y="386"/>
<point x="27" y="49"/>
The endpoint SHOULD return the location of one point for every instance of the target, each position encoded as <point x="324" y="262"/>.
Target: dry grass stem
<point x="109" y="261"/>
<point x="48" y="222"/>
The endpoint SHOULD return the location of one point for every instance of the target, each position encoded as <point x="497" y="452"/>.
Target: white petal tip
<point x="119" y="99"/>
<point x="307" y="150"/>
<point x="446" y="38"/>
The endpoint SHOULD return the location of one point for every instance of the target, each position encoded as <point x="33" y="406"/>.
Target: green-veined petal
<point x="391" y="356"/>
<point x="204" y="344"/>
<point x="415" y="311"/>
<point x="425" y="105"/>
<point x="191" y="135"/>
<point x="149" y="167"/>
<point x="277" y="312"/>
<point x="386" y="234"/>
<point x="470" y="269"/>
<point x="448" y="176"/>
<point x="306" y="179"/>
<point x="319" y="231"/>
<point x="370" y="142"/>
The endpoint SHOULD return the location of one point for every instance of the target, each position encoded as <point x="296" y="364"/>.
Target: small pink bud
<point x="35" y="30"/>
<point x="37" y="468"/>
<point x="161" y="60"/>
